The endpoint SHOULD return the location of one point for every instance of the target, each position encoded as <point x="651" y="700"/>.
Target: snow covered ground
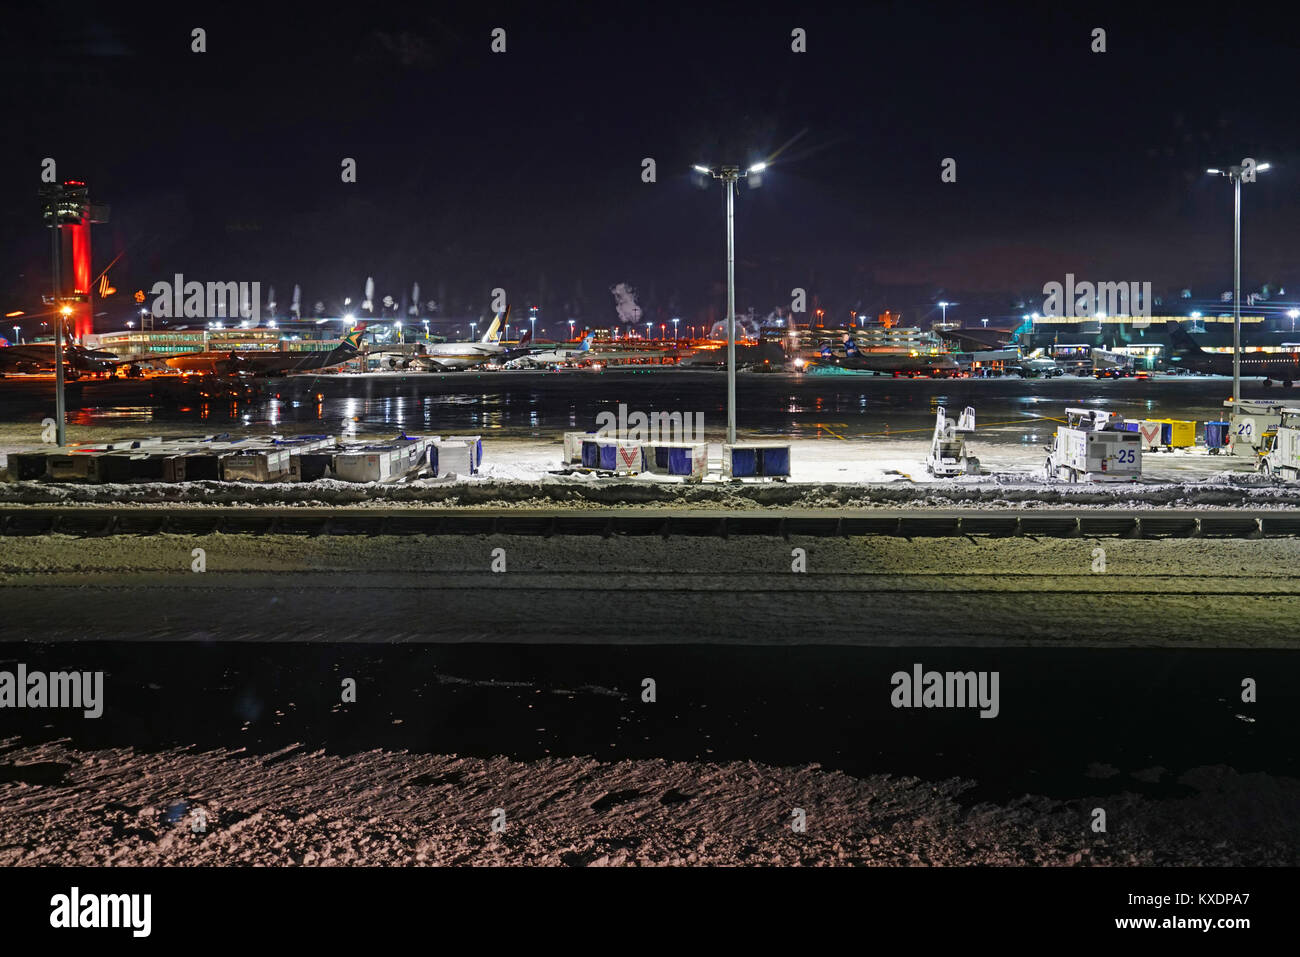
<point x="527" y="471"/>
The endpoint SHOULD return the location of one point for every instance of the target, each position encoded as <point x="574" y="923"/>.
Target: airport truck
<point x="1280" y="453"/>
<point x="948" y="455"/>
<point x="1093" y="446"/>
<point x="1248" y="422"/>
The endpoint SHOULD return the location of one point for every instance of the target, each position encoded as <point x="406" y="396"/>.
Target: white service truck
<point x="948" y="456"/>
<point x="1247" y="423"/>
<point x="1280" y="454"/>
<point x="1093" y="446"/>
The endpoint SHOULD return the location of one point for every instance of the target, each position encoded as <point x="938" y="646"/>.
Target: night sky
<point x="523" y="169"/>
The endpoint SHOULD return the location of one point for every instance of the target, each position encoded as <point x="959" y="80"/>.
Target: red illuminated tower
<point x="74" y="214"/>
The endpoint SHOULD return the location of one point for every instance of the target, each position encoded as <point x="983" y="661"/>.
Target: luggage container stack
<point x="686" y="460"/>
<point x="756" y="460"/>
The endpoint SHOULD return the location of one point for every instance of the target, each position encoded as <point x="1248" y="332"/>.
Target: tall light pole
<point x="18" y="336"/>
<point x="1234" y="174"/>
<point x="675" y="321"/>
<point x="944" y="307"/>
<point x="570" y="328"/>
<point x="730" y="175"/>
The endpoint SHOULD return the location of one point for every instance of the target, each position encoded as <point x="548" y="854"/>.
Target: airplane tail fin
<point x="586" y="342"/>
<point x="826" y="350"/>
<point x="850" y="346"/>
<point x="491" y="334"/>
<point x="352" y="341"/>
<point x="1180" y="339"/>
<point x="526" y="338"/>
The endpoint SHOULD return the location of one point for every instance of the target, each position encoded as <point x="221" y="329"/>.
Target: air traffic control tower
<point x="68" y="209"/>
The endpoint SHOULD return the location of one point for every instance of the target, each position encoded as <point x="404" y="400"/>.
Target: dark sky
<point x="523" y="169"/>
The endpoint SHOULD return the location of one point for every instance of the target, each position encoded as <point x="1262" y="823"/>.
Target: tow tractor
<point x="1279" y="453"/>
<point x="948" y="455"/>
<point x="1093" y="446"/>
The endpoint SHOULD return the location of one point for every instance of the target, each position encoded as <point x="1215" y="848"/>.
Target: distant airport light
<point x="758" y="167"/>
<point x="1196" y="315"/>
<point x="701" y="169"/>
<point x="13" y="315"/>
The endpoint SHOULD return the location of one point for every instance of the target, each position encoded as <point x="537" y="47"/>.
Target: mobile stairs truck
<point x="948" y="455"/>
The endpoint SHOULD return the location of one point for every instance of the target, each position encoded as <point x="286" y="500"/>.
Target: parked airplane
<point x="466" y="355"/>
<point x="895" y="363"/>
<point x="1282" y="367"/>
<point x="1032" y="366"/>
<point x="39" y="357"/>
<point x="263" y="363"/>
<point x="560" y="355"/>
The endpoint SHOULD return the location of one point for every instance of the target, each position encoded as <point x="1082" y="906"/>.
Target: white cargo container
<point x="686" y="460"/>
<point x="371" y="463"/>
<point x="756" y="460"/>
<point x="475" y="443"/>
<point x="255" y="465"/>
<point x="1091" y="447"/>
<point x="448" y="457"/>
<point x="573" y="446"/>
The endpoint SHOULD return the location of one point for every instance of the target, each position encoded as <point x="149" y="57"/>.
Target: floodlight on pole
<point x="1234" y="174"/>
<point x="730" y="175"/>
